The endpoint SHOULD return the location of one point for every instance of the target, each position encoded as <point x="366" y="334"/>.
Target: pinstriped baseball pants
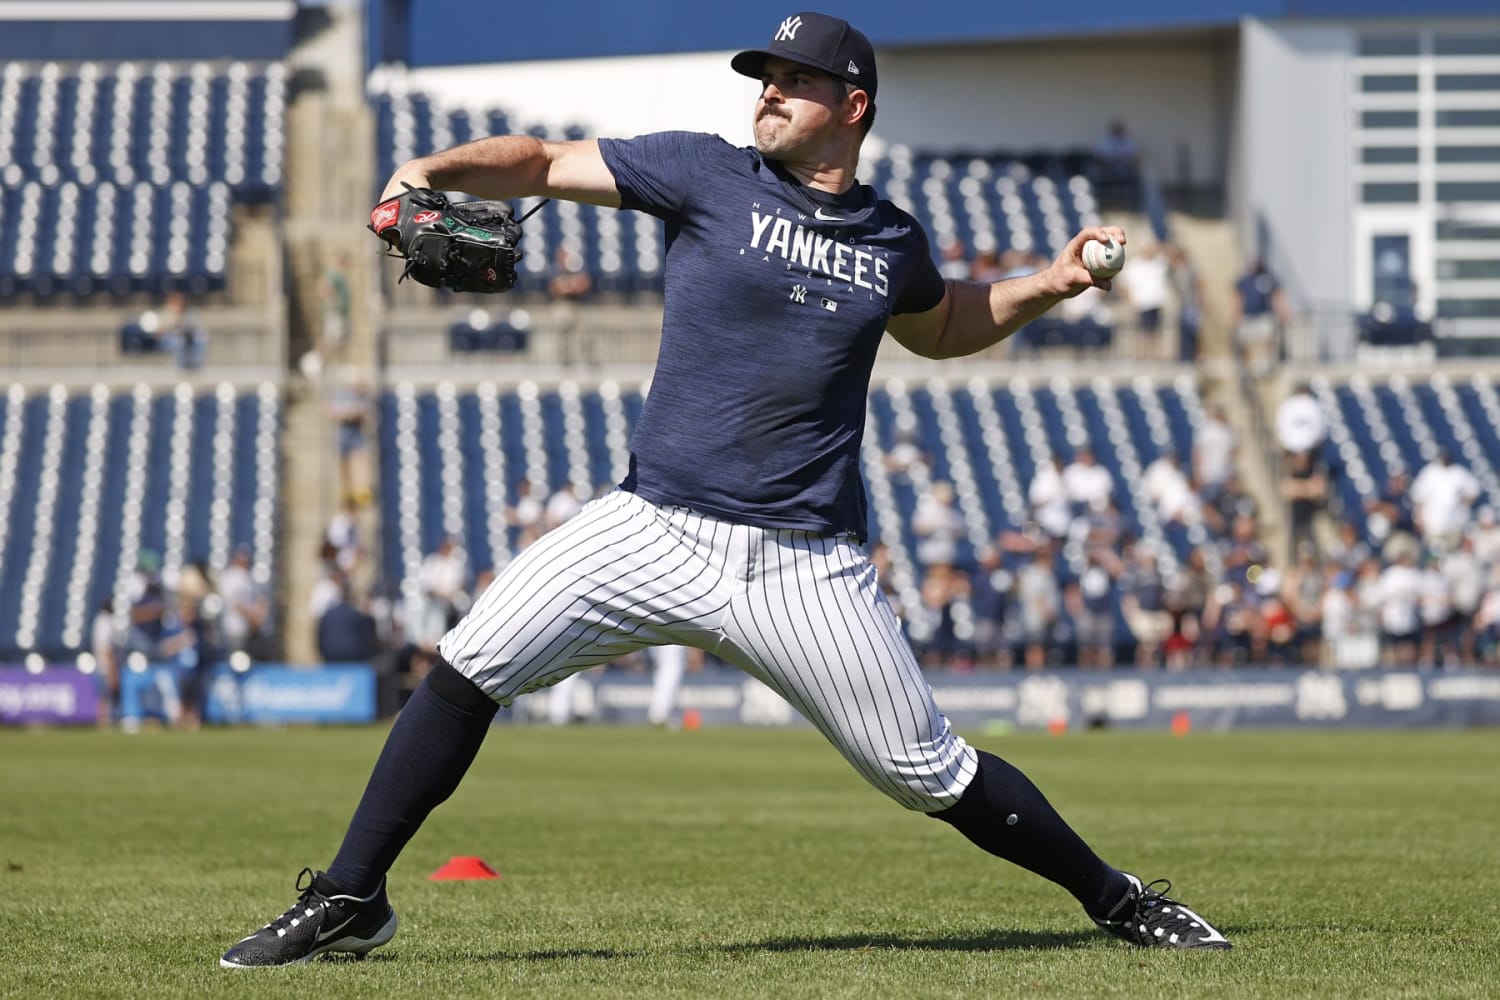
<point x="797" y="610"/>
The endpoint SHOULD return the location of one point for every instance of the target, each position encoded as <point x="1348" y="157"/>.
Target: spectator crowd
<point x="1410" y="580"/>
<point x="1080" y="582"/>
<point x="183" y="618"/>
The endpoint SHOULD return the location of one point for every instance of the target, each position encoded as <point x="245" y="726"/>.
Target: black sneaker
<point x="322" y="919"/>
<point x="1149" y="918"/>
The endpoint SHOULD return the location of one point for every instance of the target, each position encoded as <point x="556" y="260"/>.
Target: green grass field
<point x="753" y="863"/>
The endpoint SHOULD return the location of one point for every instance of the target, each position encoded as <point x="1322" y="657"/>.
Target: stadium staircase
<point x="1210" y="243"/>
<point x="326" y="197"/>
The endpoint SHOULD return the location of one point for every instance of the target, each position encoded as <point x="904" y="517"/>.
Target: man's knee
<point x="930" y="780"/>
<point x="450" y="685"/>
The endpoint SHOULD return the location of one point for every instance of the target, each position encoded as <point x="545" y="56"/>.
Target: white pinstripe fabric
<point x="799" y="611"/>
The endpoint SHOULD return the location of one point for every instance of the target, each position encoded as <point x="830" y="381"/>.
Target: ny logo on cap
<point x="788" y="30"/>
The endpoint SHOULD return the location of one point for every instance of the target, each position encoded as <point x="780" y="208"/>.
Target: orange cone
<point x="691" y="719"/>
<point x="1057" y="726"/>
<point x="1182" y="724"/>
<point x="462" y="868"/>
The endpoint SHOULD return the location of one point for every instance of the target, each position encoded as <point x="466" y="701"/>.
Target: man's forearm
<point x="501" y="167"/>
<point x="984" y="315"/>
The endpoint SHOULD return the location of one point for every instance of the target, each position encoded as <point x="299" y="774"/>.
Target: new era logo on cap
<point x="830" y="44"/>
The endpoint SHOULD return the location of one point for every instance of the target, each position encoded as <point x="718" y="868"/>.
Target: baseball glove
<point x="470" y="246"/>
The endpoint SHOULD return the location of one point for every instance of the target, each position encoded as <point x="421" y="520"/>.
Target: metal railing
<point x="1334" y="335"/>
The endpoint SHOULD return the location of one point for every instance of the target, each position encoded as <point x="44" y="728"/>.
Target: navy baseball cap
<point x="830" y="44"/>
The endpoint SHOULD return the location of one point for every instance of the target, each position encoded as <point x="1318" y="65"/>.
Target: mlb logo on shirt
<point x="830" y="305"/>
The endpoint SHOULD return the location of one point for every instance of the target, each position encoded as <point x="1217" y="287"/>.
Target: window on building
<point x="1469" y="118"/>
<point x="1388" y="83"/>
<point x="1468" y="308"/>
<point x="1388" y="194"/>
<point x="1458" y="270"/>
<point x="1466" y="45"/>
<point x="1388" y="119"/>
<point x="1468" y="154"/>
<point x="1389" y="45"/>
<point x="1448" y="229"/>
<point x="1468" y="81"/>
<point x="1468" y="191"/>
<point x="1388" y="154"/>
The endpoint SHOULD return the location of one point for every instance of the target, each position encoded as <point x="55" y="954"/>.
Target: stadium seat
<point x="179" y="471"/>
<point x="120" y="178"/>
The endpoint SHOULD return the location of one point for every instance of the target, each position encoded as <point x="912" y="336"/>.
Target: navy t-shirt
<point x="1256" y="291"/>
<point x="776" y="297"/>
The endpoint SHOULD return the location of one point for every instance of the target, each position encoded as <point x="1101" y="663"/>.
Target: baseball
<point x="1103" y="260"/>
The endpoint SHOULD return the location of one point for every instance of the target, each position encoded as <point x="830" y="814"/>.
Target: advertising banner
<point x="275" y="694"/>
<point x="61" y="696"/>
<point x="1210" y="699"/>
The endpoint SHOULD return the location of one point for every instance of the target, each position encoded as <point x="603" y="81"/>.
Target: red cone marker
<point x="462" y="868"/>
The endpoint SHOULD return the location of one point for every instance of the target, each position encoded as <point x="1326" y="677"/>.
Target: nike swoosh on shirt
<point x="818" y="214"/>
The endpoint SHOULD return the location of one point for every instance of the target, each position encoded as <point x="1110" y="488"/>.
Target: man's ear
<point x="857" y="104"/>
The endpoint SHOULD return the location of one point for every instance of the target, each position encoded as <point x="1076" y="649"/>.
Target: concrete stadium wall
<point x="1292" y="152"/>
<point x="1174" y="96"/>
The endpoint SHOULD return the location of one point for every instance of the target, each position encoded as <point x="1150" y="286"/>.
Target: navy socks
<point x="442" y="727"/>
<point x="430" y="747"/>
<point x="1004" y="813"/>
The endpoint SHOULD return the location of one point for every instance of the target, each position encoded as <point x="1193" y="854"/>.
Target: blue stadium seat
<point x="552" y="438"/>
<point x="21" y="536"/>
<point x="389" y="487"/>
<point x="1178" y="421"/>
<point x="94" y="127"/>
<point x="70" y="495"/>
<point x="81" y="568"/>
<point x="475" y="484"/>
<point x="246" y="476"/>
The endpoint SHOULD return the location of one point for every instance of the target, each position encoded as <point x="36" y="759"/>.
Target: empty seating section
<point x="986" y="201"/>
<point x="990" y="201"/>
<point x="90" y="479"/>
<point x="120" y="178"/>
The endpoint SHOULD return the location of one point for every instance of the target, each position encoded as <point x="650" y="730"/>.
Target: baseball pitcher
<point x="739" y="527"/>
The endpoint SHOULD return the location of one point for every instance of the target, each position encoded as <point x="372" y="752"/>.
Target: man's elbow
<point x="942" y="347"/>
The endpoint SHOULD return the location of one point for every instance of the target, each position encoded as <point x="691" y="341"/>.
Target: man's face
<point x="798" y="108"/>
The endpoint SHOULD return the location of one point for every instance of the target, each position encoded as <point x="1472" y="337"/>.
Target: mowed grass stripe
<point x="754" y="863"/>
